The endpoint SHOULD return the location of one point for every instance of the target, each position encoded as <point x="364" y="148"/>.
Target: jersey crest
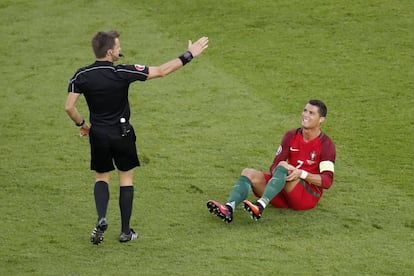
<point x="311" y="161"/>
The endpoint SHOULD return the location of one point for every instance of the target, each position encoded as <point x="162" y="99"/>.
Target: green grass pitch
<point x="199" y="127"/>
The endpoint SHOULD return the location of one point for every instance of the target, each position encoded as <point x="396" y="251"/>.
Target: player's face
<point x="310" y="117"/>
<point x="114" y="52"/>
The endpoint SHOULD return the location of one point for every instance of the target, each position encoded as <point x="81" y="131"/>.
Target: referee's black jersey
<point x="105" y="87"/>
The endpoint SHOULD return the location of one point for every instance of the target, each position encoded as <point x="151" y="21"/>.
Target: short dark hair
<point x="323" y="110"/>
<point x="103" y="41"/>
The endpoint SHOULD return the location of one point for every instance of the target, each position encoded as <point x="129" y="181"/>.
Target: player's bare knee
<point x="252" y="174"/>
<point x="248" y="172"/>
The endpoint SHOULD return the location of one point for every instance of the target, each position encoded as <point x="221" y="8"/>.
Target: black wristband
<point x="186" y="57"/>
<point x="80" y="124"/>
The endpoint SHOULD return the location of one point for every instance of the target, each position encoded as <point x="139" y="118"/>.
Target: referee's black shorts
<point x="109" y="147"/>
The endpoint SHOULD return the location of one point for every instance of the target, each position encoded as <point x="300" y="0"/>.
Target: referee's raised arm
<point x="194" y="49"/>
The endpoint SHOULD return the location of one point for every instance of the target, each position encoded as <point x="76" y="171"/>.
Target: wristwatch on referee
<point x="81" y="123"/>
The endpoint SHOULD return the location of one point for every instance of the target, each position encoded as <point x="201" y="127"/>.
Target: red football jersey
<point x="316" y="156"/>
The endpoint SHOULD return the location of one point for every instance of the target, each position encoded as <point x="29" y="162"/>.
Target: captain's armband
<point x="326" y="166"/>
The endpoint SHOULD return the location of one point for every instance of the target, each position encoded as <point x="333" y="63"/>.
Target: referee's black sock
<point x="101" y="193"/>
<point x="126" y="198"/>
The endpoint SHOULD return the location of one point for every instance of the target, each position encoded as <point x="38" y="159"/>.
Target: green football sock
<point x="240" y="191"/>
<point x="275" y="185"/>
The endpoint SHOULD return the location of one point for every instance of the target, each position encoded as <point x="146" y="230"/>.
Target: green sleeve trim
<point x="309" y="190"/>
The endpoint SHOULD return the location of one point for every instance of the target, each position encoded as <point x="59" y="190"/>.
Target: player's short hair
<point x="323" y="110"/>
<point x="103" y="41"/>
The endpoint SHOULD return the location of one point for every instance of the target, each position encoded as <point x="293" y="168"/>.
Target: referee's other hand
<point x="84" y="130"/>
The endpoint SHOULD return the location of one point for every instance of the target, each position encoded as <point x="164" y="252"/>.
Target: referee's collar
<point x="103" y="62"/>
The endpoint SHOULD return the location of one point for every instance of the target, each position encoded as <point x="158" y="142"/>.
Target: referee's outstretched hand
<point x="198" y="47"/>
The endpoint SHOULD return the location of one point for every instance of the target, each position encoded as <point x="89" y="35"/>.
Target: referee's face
<point x="114" y="52"/>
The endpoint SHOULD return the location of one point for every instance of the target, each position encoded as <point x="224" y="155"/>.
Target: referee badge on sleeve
<point x="139" y="67"/>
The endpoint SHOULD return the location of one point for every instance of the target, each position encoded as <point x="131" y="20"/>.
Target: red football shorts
<point x="298" y="199"/>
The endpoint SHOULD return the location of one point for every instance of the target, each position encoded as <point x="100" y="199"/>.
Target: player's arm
<point x="315" y="179"/>
<point x="327" y="165"/>
<point x="282" y="152"/>
<point x="326" y="168"/>
<point x="194" y="49"/>
<point x="73" y="113"/>
<point x="323" y="179"/>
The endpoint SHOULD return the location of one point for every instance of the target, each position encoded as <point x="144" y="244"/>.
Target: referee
<point x="112" y="138"/>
